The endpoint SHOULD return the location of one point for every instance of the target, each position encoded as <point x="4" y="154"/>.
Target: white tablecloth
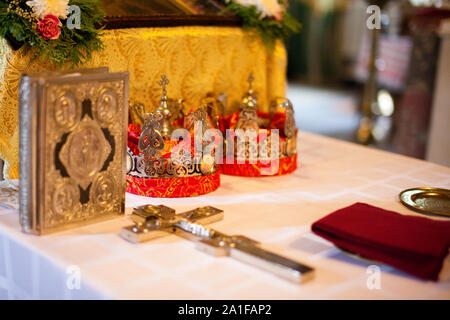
<point x="277" y="211"/>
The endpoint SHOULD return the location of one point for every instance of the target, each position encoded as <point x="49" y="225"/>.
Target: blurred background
<point x="379" y="78"/>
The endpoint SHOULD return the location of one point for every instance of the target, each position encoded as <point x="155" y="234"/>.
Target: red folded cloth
<point x="413" y="244"/>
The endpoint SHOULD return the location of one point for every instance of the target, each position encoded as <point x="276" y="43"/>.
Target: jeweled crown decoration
<point x="248" y="119"/>
<point x="259" y="143"/>
<point x="158" y="156"/>
<point x="280" y="116"/>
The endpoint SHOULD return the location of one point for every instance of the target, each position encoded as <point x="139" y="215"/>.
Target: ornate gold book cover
<point x="73" y="133"/>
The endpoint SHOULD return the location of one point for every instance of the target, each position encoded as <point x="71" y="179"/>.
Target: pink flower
<point x="48" y="28"/>
<point x="278" y="16"/>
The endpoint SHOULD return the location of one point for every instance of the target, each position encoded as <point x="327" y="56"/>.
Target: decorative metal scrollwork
<point x="151" y="141"/>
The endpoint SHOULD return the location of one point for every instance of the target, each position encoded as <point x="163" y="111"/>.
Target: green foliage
<point x="269" y="29"/>
<point x="74" y="46"/>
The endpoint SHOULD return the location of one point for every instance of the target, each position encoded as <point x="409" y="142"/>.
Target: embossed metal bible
<point x="156" y="221"/>
<point x="73" y="132"/>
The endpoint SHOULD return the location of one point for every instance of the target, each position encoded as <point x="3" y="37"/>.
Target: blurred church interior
<point x="402" y="104"/>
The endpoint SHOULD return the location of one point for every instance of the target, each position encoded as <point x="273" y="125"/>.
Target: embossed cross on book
<point x="156" y="221"/>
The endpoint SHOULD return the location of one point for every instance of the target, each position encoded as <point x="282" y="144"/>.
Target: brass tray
<point x="427" y="200"/>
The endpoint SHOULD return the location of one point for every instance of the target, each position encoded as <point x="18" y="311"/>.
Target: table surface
<point x="277" y="211"/>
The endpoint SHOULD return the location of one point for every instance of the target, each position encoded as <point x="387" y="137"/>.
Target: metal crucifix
<point x="156" y="221"/>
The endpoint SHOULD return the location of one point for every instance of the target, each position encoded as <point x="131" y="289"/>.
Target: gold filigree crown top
<point x="164" y="109"/>
<point x="249" y="101"/>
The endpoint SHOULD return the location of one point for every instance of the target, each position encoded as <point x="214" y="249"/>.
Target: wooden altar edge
<point x="171" y="21"/>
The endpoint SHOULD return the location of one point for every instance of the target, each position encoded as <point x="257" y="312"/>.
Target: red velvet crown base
<point x="285" y="165"/>
<point x="173" y="187"/>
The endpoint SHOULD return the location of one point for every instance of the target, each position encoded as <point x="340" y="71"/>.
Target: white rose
<point x="272" y="8"/>
<point x="268" y="8"/>
<point x="55" y="7"/>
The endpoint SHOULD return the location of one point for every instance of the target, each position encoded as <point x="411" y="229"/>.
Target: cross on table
<point x="152" y="222"/>
<point x="156" y="221"/>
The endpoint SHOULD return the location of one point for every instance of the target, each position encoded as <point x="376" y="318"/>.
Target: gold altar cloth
<point x="197" y="60"/>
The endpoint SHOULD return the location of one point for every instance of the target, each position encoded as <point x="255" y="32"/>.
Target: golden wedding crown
<point x="280" y="116"/>
<point x="160" y="156"/>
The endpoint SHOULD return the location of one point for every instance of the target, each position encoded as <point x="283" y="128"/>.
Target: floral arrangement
<point x="269" y="17"/>
<point x="44" y="26"/>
